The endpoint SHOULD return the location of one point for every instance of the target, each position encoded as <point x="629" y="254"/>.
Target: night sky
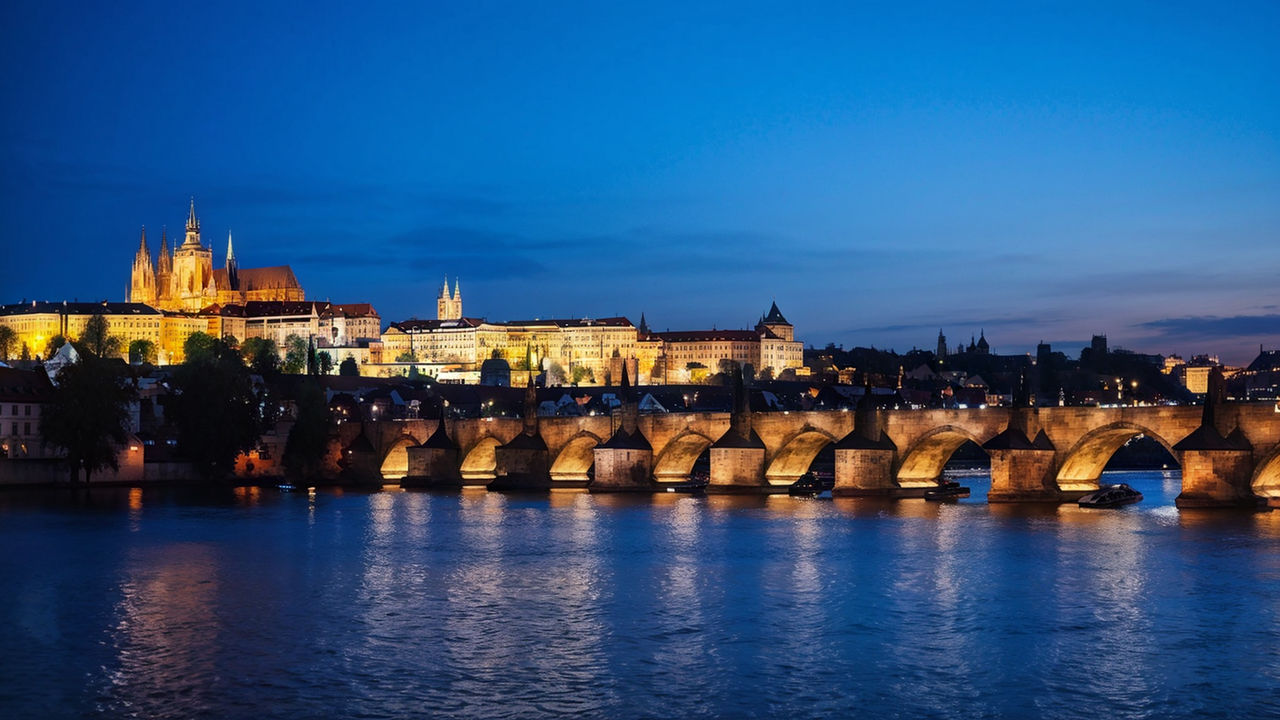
<point x="880" y="171"/>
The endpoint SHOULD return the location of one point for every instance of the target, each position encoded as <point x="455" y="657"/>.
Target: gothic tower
<point x="449" y="307"/>
<point x="142" y="285"/>
<point x="164" y="269"/>
<point x="193" y="287"/>
<point x="942" y="345"/>
<point x="233" y="269"/>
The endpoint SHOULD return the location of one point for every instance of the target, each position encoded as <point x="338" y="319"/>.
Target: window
<point x="27" y="411"/>
<point x="26" y="428"/>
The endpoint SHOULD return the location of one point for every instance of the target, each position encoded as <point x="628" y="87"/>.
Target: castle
<point x="186" y="280"/>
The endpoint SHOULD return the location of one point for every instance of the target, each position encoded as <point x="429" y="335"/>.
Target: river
<point x="250" y="603"/>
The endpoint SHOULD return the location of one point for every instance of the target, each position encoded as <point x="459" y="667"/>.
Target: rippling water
<point x="158" y="603"/>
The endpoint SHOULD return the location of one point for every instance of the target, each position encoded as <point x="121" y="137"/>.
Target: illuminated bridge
<point x="1229" y="452"/>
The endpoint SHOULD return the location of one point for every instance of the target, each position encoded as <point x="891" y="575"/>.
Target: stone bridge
<point x="1229" y="453"/>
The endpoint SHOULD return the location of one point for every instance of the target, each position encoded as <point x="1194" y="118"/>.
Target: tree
<point x="349" y="367"/>
<point x="313" y="365"/>
<point x="8" y="341"/>
<point x="262" y="355"/>
<point x="142" y="351"/>
<point x="324" y="362"/>
<point x="295" y="354"/>
<point x="97" y="337"/>
<point x="214" y="407"/>
<point x="26" y="352"/>
<point x="309" y="438"/>
<point x="88" y="415"/>
<point x="201" y="348"/>
<point x="581" y="373"/>
<point x="54" y="344"/>
<point x="407" y="356"/>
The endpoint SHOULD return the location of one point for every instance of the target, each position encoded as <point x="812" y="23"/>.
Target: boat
<point x="689" y="487"/>
<point x="807" y="486"/>
<point x="1110" y="496"/>
<point x="947" y="490"/>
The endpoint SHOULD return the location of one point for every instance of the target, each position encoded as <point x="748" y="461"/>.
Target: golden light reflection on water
<point x="166" y="630"/>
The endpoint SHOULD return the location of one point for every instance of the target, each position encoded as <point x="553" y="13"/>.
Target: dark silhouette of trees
<point x="348" y="367"/>
<point x="213" y="406"/>
<point x="97" y="337"/>
<point x="142" y="351"/>
<point x="309" y="437"/>
<point x="263" y="356"/>
<point x="88" y="415"/>
<point x="295" y="354"/>
<point x="8" y="342"/>
<point x="325" y="362"/>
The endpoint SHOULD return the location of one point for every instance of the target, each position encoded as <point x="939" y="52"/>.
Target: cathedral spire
<point x="445" y="292"/>
<point x="231" y="256"/>
<point x="164" y="263"/>
<point x="192" y="222"/>
<point x="142" y="244"/>
<point x="457" y="290"/>
<point x="233" y="269"/>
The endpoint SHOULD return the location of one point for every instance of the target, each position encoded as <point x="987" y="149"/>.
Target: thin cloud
<point x="1213" y="327"/>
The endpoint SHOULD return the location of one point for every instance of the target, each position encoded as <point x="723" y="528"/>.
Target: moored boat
<point x="1110" y="496"/>
<point x="807" y="485"/>
<point x="947" y="490"/>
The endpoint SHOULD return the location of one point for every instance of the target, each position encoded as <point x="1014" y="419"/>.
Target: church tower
<point x="449" y="307"/>
<point x="164" y="269"/>
<point x="142" y="286"/>
<point x="942" y="345"/>
<point x="193" y="287"/>
<point x="233" y="270"/>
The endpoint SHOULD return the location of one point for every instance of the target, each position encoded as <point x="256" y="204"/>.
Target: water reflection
<point x="166" y="633"/>
<point x="474" y="604"/>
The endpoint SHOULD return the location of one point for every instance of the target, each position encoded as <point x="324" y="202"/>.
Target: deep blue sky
<point x="880" y="170"/>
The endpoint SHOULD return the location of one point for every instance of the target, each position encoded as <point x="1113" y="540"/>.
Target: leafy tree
<point x="324" y="362"/>
<point x="53" y="345"/>
<point x="295" y="354"/>
<point x="349" y="367"/>
<point x="407" y="356"/>
<point x="26" y="352"/>
<point x="88" y="415"/>
<point x="581" y="373"/>
<point x="309" y="438"/>
<point x="201" y="348"/>
<point x="556" y="374"/>
<point x="142" y="351"/>
<point x="262" y="354"/>
<point x="97" y="337"/>
<point x="8" y="341"/>
<point x="214" y="407"/>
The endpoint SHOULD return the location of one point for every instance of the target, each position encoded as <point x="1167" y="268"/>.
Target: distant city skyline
<point x="1041" y="173"/>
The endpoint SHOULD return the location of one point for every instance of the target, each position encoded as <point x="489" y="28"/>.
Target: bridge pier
<point x="737" y="458"/>
<point x="525" y="462"/>
<point x="360" y="463"/>
<point x="1216" y="478"/>
<point x="1217" y="466"/>
<point x="1022" y="469"/>
<point x="434" y="463"/>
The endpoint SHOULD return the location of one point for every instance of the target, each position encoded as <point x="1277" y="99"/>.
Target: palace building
<point x="185" y="280"/>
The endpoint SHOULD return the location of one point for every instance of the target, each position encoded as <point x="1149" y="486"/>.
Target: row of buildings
<point x="180" y="292"/>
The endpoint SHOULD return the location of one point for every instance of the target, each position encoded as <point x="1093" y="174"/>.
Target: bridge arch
<point x="395" y="464"/>
<point x="1266" y="478"/>
<point x="575" y="459"/>
<point x="796" y="455"/>
<point x="1084" y="462"/>
<point x="923" y="463"/>
<point x="678" y="456"/>
<point x="480" y="461"/>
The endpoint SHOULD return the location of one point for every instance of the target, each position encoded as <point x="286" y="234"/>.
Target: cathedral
<point x="185" y="279"/>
